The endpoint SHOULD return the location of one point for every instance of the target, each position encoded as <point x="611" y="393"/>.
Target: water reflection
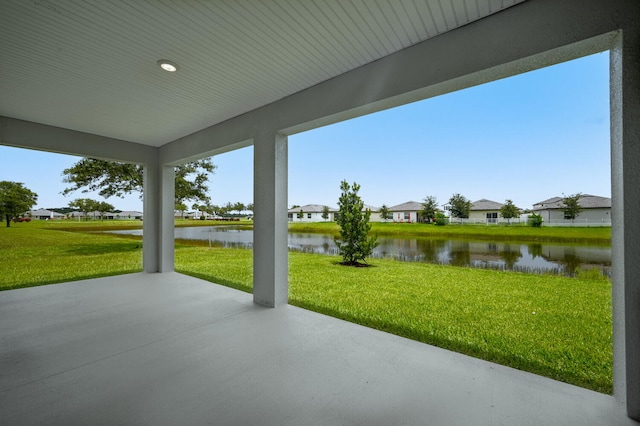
<point x="525" y="257"/>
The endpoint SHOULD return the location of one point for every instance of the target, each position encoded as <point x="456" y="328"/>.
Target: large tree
<point x="429" y="208"/>
<point x="354" y="242"/>
<point x="571" y="206"/>
<point x="459" y="206"/>
<point x="509" y="211"/>
<point x="112" y="178"/>
<point x="85" y="205"/>
<point x="15" y="199"/>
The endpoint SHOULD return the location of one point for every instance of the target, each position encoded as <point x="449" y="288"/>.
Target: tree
<point x="385" y="214"/>
<point x="250" y="207"/>
<point x="325" y="212"/>
<point x="509" y="211"/>
<point x="181" y="207"/>
<point x="354" y="242"/>
<point x="300" y="214"/>
<point x="85" y="205"/>
<point x="114" y="178"/>
<point x="459" y="206"/>
<point x="103" y="207"/>
<point x="15" y="199"/>
<point x="571" y="206"/>
<point x="429" y="208"/>
<point x="239" y="207"/>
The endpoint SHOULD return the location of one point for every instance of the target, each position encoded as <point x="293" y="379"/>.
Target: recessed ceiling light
<point x="168" y="65"/>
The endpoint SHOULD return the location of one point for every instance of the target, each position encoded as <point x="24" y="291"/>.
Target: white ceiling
<point x="91" y="65"/>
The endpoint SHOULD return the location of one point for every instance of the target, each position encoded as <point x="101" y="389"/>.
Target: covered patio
<point x="172" y="349"/>
<point x="83" y="78"/>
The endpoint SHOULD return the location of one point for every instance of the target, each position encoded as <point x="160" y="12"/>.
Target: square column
<point x="270" y="252"/>
<point x="625" y="176"/>
<point x="158" y="222"/>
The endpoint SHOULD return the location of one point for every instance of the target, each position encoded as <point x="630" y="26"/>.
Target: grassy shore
<point x="554" y="326"/>
<point x="585" y="235"/>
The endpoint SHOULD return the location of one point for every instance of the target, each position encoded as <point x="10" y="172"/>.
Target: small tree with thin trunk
<point x="571" y="206"/>
<point x="385" y="214"/>
<point x="15" y="199"/>
<point x="459" y="206"/>
<point x="325" y="213"/>
<point x="429" y="208"/>
<point x="354" y="242"/>
<point x="509" y="211"/>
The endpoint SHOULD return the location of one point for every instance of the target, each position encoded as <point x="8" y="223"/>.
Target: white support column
<point x="270" y="253"/>
<point x="625" y="174"/>
<point x="158" y="224"/>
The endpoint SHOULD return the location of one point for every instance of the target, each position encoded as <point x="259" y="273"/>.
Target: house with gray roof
<point x="485" y="210"/>
<point x="596" y="210"/>
<point x="44" y="214"/>
<point x="406" y="212"/>
<point x="310" y="213"/>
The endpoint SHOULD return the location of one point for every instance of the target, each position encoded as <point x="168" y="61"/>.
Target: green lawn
<point x="554" y="326"/>
<point x="595" y="235"/>
<point x="37" y="255"/>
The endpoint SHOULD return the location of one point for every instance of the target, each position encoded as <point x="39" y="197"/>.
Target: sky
<point x="526" y="138"/>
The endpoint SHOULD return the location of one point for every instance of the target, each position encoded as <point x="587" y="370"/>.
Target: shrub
<point x="441" y="219"/>
<point x="535" y="220"/>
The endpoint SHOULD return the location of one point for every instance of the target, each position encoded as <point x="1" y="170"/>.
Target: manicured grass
<point x="595" y="235"/>
<point x="553" y="326"/>
<point x="35" y="255"/>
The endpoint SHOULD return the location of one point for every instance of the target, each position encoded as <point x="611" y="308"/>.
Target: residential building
<point x="407" y="212"/>
<point x="596" y="210"/>
<point x="310" y="213"/>
<point x="485" y="210"/>
<point x="44" y="214"/>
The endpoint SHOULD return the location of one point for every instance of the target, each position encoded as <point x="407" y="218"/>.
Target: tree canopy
<point x="429" y="208"/>
<point x="571" y="205"/>
<point x="509" y="210"/>
<point x="385" y="214"/>
<point x="112" y="178"/>
<point x="459" y="206"/>
<point x="354" y="242"/>
<point x="15" y="199"/>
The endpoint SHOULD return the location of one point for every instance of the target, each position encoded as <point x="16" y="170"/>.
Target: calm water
<point x="527" y="257"/>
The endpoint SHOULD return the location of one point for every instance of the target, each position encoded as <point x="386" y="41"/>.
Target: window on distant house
<point x="308" y="215"/>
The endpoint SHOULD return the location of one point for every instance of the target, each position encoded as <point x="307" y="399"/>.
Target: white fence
<point x="568" y="222"/>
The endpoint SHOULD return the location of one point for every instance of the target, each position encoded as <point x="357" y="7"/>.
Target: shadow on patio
<point x="171" y="349"/>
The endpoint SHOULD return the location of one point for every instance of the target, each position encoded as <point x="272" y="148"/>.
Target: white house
<point x="310" y="213"/>
<point x="406" y="212"/>
<point x="44" y="214"/>
<point x="596" y="210"/>
<point x="485" y="210"/>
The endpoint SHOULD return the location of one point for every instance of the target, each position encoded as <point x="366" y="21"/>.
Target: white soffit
<point x="91" y="65"/>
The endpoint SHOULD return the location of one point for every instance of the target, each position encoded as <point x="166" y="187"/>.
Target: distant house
<point x="595" y="210"/>
<point x="129" y="214"/>
<point x="485" y="210"/>
<point x="43" y="214"/>
<point x="406" y="212"/>
<point x="310" y="213"/>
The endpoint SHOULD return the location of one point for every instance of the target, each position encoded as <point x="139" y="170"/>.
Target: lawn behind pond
<point x="554" y="326"/>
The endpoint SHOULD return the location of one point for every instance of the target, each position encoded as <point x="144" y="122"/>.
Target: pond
<point x="515" y="256"/>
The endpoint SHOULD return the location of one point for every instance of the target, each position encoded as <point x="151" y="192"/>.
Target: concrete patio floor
<point x="172" y="349"/>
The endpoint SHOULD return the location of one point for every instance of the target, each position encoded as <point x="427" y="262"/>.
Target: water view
<point x="524" y="257"/>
